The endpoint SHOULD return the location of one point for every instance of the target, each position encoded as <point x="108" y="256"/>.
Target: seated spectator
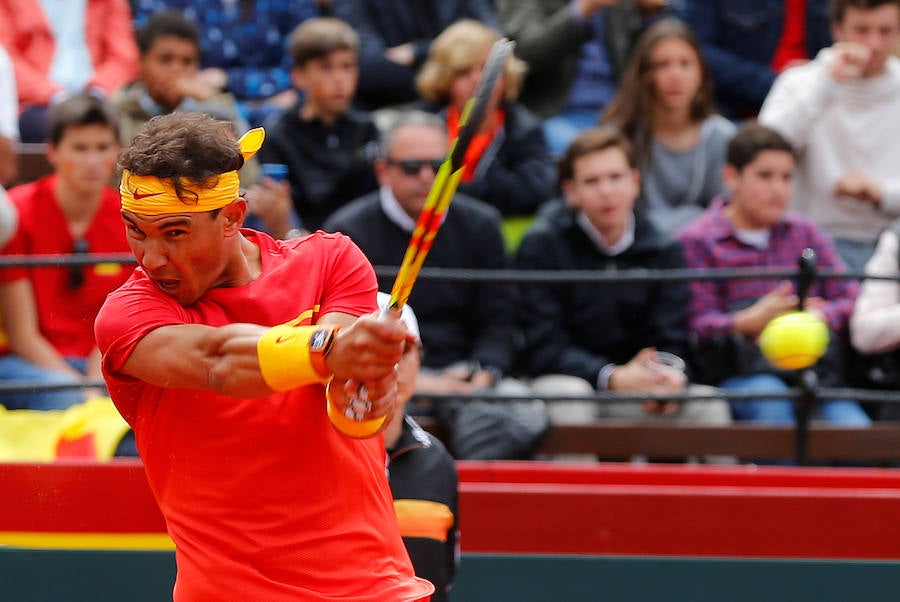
<point x="77" y="47"/>
<point x="748" y="43"/>
<point x="507" y="164"/>
<point x="48" y="311"/>
<point x="840" y="112"/>
<point x="394" y="40"/>
<point x="610" y="337"/>
<point x="467" y="328"/>
<point x="170" y="80"/>
<point x="576" y="51"/>
<point x="9" y="120"/>
<point x="873" y="324"/>
<point x="423" y="480"/>
<point x="751" y="227"/>
<point x="664" y="106"/>
<point x="327" y="147"/>
<point x="242" y="47"/>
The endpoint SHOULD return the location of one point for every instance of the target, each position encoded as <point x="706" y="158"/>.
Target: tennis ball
<point x="352" y="428"/>
<point x="794" y="340"/>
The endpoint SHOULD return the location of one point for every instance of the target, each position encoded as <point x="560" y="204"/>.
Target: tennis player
<point x="216" y="351"/>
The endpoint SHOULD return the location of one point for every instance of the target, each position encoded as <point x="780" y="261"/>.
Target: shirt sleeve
<point x="705" y="314"/>
<point x="877" y="307"/>
<point x="127" y="316"/>
<point x="350" y="283"/>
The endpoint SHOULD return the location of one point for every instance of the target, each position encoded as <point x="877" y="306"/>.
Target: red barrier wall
<point x="540" y="508"/>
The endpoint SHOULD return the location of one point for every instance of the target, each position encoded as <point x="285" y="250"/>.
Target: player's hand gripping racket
<point x="432" y="216"/>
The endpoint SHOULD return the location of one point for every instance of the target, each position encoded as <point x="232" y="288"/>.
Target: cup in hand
<point x="671" y="378"/>
<point x="667" y="361"/>
<point x="276" y="171"/>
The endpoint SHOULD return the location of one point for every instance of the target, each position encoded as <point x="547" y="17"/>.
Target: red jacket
<point x="27" y="36"/>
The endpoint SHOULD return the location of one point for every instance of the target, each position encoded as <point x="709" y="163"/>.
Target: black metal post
<point x="809" y="384"/>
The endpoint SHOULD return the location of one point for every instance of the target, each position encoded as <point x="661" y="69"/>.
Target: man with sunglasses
<point x="49" y="311"/>
<point x="467" y="328"/>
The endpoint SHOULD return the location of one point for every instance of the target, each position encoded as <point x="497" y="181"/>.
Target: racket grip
<point x="358" y="429"/>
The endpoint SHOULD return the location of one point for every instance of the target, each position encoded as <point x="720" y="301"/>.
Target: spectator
<point x="48" y="312"/>
<point x="586" y="336"/>
<point x="170" y="80"/>
<point x="507" y="164"/>
<point x="77" y="47"/>
<point x="394" y="40"/>
<point x="327" y="147"/>
<point x="467" y="329"/>
<point x="873" y="324"/>
<point x="751" y="227"/>
<point x="423" y="480"/>
<point x="878" y="304"/>
<point x="748" y="43"/>
<point x="840" y="111"/>
<point x="664" y="106"/>
<point x="576" y="51"/>
<point x="9" y="120"/>
<point x="242" y="47"/>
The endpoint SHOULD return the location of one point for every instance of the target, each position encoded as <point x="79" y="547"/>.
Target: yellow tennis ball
<point x="352" y="428"/>
<point x="794" y="340"/>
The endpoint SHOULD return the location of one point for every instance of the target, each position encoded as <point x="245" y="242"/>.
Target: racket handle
<point x="352" y="428"/>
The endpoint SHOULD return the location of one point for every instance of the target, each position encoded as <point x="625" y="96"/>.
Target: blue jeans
<point x="781" y="411"/>
<point x="14" y="368"/>
<point x="560" y="130"/>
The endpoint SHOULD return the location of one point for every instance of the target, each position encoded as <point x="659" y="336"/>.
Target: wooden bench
<point x="624" y="439"/>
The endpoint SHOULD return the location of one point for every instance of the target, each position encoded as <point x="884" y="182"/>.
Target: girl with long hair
<point x="664" y="106"/>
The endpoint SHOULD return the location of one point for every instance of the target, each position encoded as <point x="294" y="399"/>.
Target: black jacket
<point x="383" y="24"/>
<point x="328" y="166"/>
<point x="578" y="328"/>
<point x="421" y="469"/>
<point x="515" y="173"/>
<point x="459" y="321"/>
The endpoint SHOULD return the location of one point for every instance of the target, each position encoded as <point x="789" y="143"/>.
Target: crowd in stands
<point x="621" y="134"/>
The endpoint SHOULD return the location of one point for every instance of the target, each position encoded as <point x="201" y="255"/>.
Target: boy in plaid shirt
<point x="751" y="227"/>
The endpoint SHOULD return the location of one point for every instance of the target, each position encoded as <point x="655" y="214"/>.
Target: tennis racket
<point x="440" y="195"/>
<point x="448" y="176"/>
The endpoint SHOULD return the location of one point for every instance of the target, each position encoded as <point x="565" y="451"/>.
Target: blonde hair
<point x="456" y="49"/>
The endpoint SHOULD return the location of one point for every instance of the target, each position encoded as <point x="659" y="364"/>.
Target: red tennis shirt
<point x="263" y="498"/>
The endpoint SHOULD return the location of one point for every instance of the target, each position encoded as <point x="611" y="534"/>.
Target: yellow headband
<point x="149" y="195"/>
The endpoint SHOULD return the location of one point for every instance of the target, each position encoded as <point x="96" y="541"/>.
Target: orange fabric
<point x="479" y="142"/>
<point x="27" y="37"/>
<point x="423" y="518"/>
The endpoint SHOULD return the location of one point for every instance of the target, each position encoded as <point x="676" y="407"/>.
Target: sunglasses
<point x="76" y="271"/>
<point x="412" y="167"/>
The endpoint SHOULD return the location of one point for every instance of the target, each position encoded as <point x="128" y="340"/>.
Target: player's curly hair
<point x="190" y="148"/>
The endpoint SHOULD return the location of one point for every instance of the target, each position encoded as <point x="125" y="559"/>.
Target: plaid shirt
<point x="710" y="242"/>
